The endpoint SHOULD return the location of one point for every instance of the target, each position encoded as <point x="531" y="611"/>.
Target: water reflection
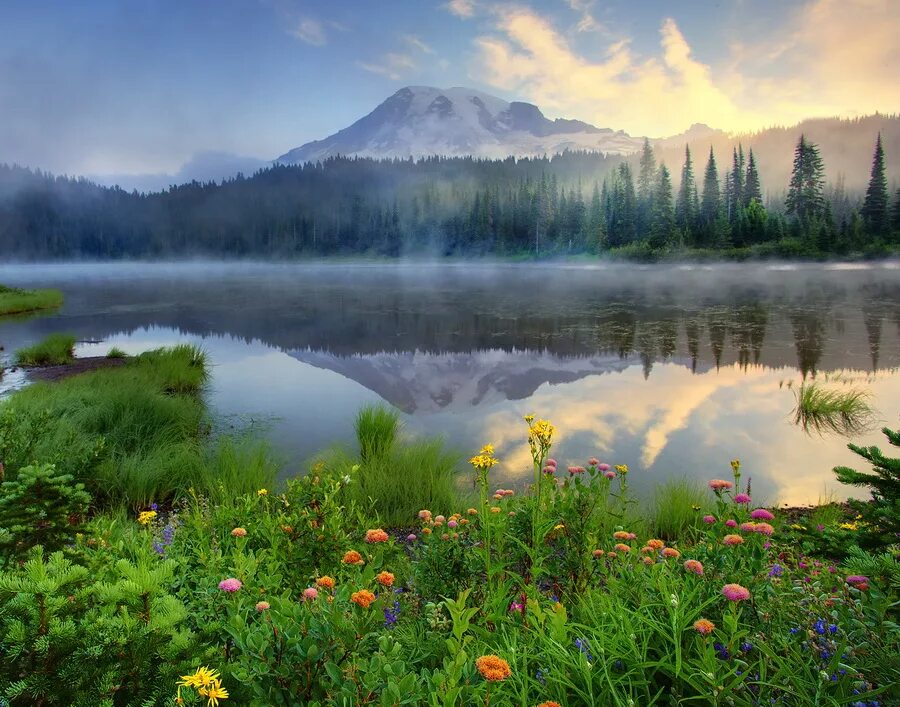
<point x="671" y="371"/>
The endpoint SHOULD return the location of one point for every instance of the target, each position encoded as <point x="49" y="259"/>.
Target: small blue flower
<point x="819" y="627"/>
<point x="584" y="647"/>
<point x="154" y="507"/>
<point x="541" y="676"/>
<point x="776" y="571"/>
<point x="795" y="630"/>
<point x="832" y="628"/>
<point x="746" y="647"/>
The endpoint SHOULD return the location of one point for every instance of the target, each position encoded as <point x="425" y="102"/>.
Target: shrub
<point x="55" y="350"/>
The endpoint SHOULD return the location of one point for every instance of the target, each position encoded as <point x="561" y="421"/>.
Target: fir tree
<point x="686" y="206"/>
<point x="805" y="200"/>
<point x="752" y="186"/>
<point x="710" y="204"/>
<point x="895" y="216"/>
<point x="663" y="221"/>
<point x="875" y="208"/>
<point x="645" y="188"/>
<point x="736" y="182"/>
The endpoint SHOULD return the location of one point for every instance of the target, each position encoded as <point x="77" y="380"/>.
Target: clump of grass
<point x="844" y="412"/>
<point x="56" y="350"/>
<point x="180" y="370"/>
<point x="677" y="509"/>
<point x="116" y="352"/>
<point x="377" y="428"/>
<point x="16" y="301"/>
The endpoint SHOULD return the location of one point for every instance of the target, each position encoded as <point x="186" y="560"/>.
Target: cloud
<point x="587" y="21"/>
<point x="461" y="8"/>
<point x="392" y="65"/>
<point x="417" y="43"/>
<point x="310" y="31"/>
<point x="833" y="57"/>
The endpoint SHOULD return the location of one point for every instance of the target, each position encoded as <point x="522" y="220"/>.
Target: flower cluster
<point x="493" y="668"/>
<point x="206" y="682"/>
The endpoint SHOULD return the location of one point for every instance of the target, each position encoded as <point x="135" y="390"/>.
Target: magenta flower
<point x="761" y="514"/>
<point x="411" y="538"/>
<point x="604" y="467"/>
<point x="857" y="579"/>
<point x="731" y="523"/>
<point x="735" y="592"/>
<point x="694" y="566"/>
<point x="748" y="527"/>
<point x="551" y="462"/>
<point x="609" y="474"/>
<point x="742" y="498"/>
<point x="576" y="470"/>
<point x="709" y="519"/>
<point x="549" y="470"/>
<point x="230" y="585"/>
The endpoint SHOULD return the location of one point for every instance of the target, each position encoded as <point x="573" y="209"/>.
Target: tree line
<point x="572" y="203"/>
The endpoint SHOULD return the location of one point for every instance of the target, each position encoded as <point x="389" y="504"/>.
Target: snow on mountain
<point x="418" y="121"/>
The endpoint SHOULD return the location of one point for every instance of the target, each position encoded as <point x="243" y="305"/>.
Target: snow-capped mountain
<point x="418" y="121"/>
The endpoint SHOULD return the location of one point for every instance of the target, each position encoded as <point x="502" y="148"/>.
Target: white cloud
<point x="417" y="43"/>
<point x="310" y="31"/>
<point x="461" y="8"/>
<point x="833" y="57"/>
<point x="392" y="65"/>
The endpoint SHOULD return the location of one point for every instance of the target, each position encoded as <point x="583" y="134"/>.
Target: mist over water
<point x="672" y="369"/>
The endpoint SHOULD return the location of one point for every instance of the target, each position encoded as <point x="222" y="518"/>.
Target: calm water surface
<point x="672" y="370"/>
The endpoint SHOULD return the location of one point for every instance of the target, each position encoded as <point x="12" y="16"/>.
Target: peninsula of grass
<point x="844" y="412"/>
<point x="16" y="301"/>
<point x="56" y="350"/>
<point x="134" y="434"/>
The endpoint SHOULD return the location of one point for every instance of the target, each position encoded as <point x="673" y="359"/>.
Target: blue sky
<point x="106" y="86"/>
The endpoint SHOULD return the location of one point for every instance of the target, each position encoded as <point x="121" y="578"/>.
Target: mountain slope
<point x="419" y="121"/>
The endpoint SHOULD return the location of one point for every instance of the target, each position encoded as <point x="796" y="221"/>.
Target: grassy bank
<point x="56" y="350"/>
<point x="16" y="301"/>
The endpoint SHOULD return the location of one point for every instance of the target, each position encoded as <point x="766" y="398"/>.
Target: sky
<point x="127" y="87"/>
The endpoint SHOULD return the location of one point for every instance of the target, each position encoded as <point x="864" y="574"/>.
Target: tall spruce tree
<point x="895" y="216"/>
<point x="662" y="224"/>
<point x="752" y="186"/>
<point x="686" y="206"/>
<point x="875" y="207"/>
<point x="645" y="188"/>
<point x="710" y="204"/>
<point x="736" y="182"/>
<point x="805" y="200"/>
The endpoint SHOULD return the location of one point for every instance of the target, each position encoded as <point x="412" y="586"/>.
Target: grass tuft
<point x="116" y="352"/>
<point x="16" y="301"/>
<point x="846" y="412"/>
<point x="377" y="428"/>
<point x="56" y="350"/>
<point x="677" y="509"/>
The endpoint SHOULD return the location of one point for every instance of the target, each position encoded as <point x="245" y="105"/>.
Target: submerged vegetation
<point x="144" y="562"/>
<point x="56" y="350"/>
<point x="16" y="301"/>
<point x="844" y="412"/>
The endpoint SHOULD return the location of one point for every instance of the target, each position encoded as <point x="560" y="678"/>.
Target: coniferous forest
<point x="570" y="204"/>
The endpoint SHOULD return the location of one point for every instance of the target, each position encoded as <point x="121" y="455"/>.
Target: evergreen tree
<point x="711" y="203"/>
<point x="752" y="186"/>
<point x="686" y="206"/>
<point x="645" y="188"/>
<point x="663" y="221"/>
<point x="895" y="216"/>
<point x="736" y="181"/>
<point x="875" y="208"/>
<point x="805" y="200"/>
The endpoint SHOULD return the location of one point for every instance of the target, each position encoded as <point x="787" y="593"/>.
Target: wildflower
<point x="621" y="547"/>
<point x="585" y="648"/>
<point x="485" y="459"/>
<point x="603" y="467"/>
<point x="213" y="693"/>
<point x="262" y="606"/>
<point x="452" y="524"/>
<point x="819" y="627"/>
<point x="597" y="553"/>
<point x="655" y="544"/>
<point x="495" y="509"/>
<point x="493" y="668"/>
<point x="647" y="560"/>
<point x="593" y="461"/>
<point x="709" y="519"/>
<point x="609" y="474"/>
<point x="390" y="614"/>
<point x="325" y="582"/>
<point x="761" y="514"/>
<point x="498" y="496"/>
<point x="718" y="485"/>
<point x="611" y="555"/>
<point x="621" y="535"/>
<point x="670" y="552"/>
<point x="748" y="527"/>
<point x="385" y="579"/>
<point x="352" y="557"/>
<point x="425" y="514"/>
<point x="310" y="593"/>
<point x="694" y="566"/>
<point x="238" y="533"/>
<point x="511" y="514"/>
<point x="735" y="592"/>
<point x="857" y="581"/>
<point x="540" y="437"/>
<point x="704" y="626"/>
<point x="426" y="531"/>
<point x="551" y="462"/>
<point x="439" y="519"/>
<point x="363" y="598"/>
<point x="287" y="529"/>
<point x="549" y="470"/>
<point x="262" y="492"/>
<point x="146" y="517"/>
<point x="445" y="536"/>
<point x="622" y="468"/>
<point x="202" y="677"/>
<point x="732" y="540"/>
<point x="776" y="571"/>
<point x="742" y="498"/>
<point x="549" y="703"/>
<point x="731" y="523"/>
<point x="763" y="528"/>
<point x="376" y="536"/>
<point x="230" y="585"/>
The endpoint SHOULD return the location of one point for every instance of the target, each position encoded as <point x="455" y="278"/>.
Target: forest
<point x="575" y="203"/>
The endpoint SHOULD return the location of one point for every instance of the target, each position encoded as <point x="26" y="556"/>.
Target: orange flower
<point x="704" y="626"/>
<point x="656" y="544"/>
<point x="325" y="582"/>
<point x="426" y="531"/>
<point x="352" y="557"/>
<point x="622" y="535"/>
<point x="376" y="536"/>
<point x="551" y="703"/>
<point x="385" y="579"/>
<point x="621" y="547"/>
<point x="495" y="509"/>
<point x="493" y="668"/>
<point x="238" y="533"/>
<point x="671" y="552"/>
<point x="363" y="598"/>
<point x="733" y="540"/>
<point x="597" y="553"/>
<point x="647" y="560"/>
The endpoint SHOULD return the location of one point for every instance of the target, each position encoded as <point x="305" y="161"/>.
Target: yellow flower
<point x="735" y="465"/>
<point x="262" y="492"/>
<point x="485" y="459"/>
<point x="213" y="693"/>
<point x="850" y="526"/>
<point x="622" y="468"/>
<point x="146" y="517"/>
<point x="203" y="677"/>
<point x="529" y="419"/>
<point x="558" y="526"/>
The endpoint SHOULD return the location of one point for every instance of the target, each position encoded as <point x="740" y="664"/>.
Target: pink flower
<point x="411" y="538"/>
<point x="609" y="474"/>
<point x="593" y="461"/>
<point x="549" y="470"/>
<point x="452" y="524"/>
<point x="763" y="528"/>
<point x="761" y="514"/>
<point x="733" y="540"/>
<point x="262" y="605"/>
<point x="603" y="467"/>
<point x="735" y="592"/>
<point x="731" y="523"/>
<point x="720" y="485"/>
<point x="742" y="498"/>
<point x="310" y="593"/>
<point x="855" y="579"/>
<point x="230" y="585"/>
<point x="576" y="470"/>
<point x="709" y="519"/>
<point x="748" y="527"/>
<point x="551" y="462"/>
<point x="694" y="566"/>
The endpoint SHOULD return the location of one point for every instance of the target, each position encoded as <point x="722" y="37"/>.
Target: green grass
<point x="844" y="412"/>
<point x="56" y="350"/>
<point x="377" y="428"/>
<point x="133" y="434"/>
<point x="116" y="352"/>
<point x="16" y="301"/>
<point x="677" y="509"/>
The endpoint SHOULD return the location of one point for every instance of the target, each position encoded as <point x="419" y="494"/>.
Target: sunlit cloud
<point x="461" y="8"/>
<point x="833" y="58"/>
<point x="310" y="31"/>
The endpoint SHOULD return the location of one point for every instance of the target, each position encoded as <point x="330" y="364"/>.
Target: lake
<point x="673" y="370"/>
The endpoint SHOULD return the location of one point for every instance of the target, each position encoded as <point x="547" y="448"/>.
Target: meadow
<point x="147" y="558"/>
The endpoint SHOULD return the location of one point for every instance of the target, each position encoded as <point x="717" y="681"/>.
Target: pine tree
<point x="752" y="186"/>
<point x="645" y="188"/>
<point x="686" y="206"/>
<point x="736" y="181"/>
<point x="711" y="203"/>
<point x="895" y="216"/>
<point x="805" y="200"/>
<point x="875" y="208"/>
<point x="663" y="222"/>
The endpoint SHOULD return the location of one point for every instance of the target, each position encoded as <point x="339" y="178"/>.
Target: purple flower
<point x="391" y="614"/>
<point x="709" y="519"/>
<point x="761" y="514"/>
<point x="154" y="507"/>
<point x="776" y="571"/>
<point x="742" y="498"/>
<point x="584" y="647"/>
